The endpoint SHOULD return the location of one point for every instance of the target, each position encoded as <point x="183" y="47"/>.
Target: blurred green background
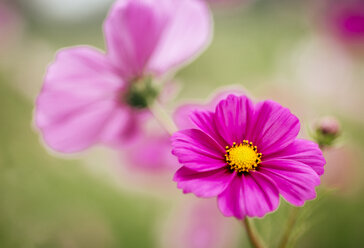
<point x="275" y="49"/>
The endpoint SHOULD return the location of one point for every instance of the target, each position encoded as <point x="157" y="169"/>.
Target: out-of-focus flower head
<point x="152" y="153"/>
<point x="326" y="131"/>
<point x="247" y="155"/>
<point x="342" y="171"/>
<point x="90" y="97"/>
<point x="346" y="19"/>
<point x="198" y="225"/>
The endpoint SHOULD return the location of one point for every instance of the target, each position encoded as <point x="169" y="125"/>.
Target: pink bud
<point x="329" y="125"/>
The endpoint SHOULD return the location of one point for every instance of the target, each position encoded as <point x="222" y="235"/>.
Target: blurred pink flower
<point x="220" y="157"/>
<point x="199" y="225"/>
<point x="342" y="171"/>
<point x="346" y="19"/>
<point x="152" y="153"/>
<point x="90" y="97"/>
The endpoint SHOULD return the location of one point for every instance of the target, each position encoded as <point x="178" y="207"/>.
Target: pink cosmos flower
<point x="90" y="97"/>
<point x="346" y="19"/>
<point x="247" y="155"/>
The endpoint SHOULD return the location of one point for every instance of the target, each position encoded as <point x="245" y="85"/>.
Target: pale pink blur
<point x="199" y="224"/>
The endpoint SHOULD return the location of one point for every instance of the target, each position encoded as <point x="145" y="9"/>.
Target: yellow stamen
<point x="243" y="157"/>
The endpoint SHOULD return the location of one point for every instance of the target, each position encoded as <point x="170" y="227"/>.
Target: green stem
<point x="162" y="117"/>
<point x="289" y="227"/>
<point x="253" y="237"/>
<point x="292" y="220"/>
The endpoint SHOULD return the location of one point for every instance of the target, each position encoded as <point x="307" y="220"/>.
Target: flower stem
<point x="289" y="227"/>
<point x="162" y="117"/>
<point x="292" y="219"/>
<point x="254" y="239"/>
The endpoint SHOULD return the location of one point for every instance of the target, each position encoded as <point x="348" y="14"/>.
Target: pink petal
<point x="183" y="113"/>
<point x="203" y="184"/>
<point x="205" y="121"/>
<point x="133" y="29"/>
<point x="252" y="195"/>
<point x="123" y="126"/>
<point x="233" y="117"/>
<point x="152" y="153"/>
<point x="296" y="181"/>
<point x="186" y="34"/>
<point x="145" y="36"/>
<point x="230" y="201"/>
<point x="77" y="99"/>
<point x="273" y="127"/>
<point x="205" y="227"/>
<point x="197" y="151"/>
<point x="303" y="151"/>
<point x="260" y="194"/>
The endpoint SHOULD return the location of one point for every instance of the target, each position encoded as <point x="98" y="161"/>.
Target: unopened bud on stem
<point x="327" y="129"/>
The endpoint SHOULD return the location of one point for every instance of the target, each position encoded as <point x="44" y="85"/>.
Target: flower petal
<point x="230" y="201"/>
<point x="260" y="194"/>
<point x="273" y="127"/>
<point x="133" y="29"/>
<point x="145" y="36"/>
<point x="197" y="151"/>
<point x="203" y="184"/>
<point x="233" y="117"/>
<point x="186" y="34"/>
<point x="296" y="181"/>
<point x="303" y="151"/>
<point x="77" y="99"/>
<point x="205" y="121"/>
<point x="183" y="113"/>
<point x="252" y="195"/>
<point x="123" y="127"/>
<point x="151" y="152"/>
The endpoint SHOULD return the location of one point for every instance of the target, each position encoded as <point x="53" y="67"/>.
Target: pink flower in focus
<point x="247" y="155"/>
<point x="90" y="97"/>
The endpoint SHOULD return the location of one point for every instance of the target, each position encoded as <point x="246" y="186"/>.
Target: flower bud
<point x="326" y="131"/>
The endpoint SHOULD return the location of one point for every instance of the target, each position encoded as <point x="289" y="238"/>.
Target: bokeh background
<point x="307" y="55"/>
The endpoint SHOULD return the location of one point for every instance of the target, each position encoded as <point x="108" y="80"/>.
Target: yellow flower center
<point x="243" y="157"/>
